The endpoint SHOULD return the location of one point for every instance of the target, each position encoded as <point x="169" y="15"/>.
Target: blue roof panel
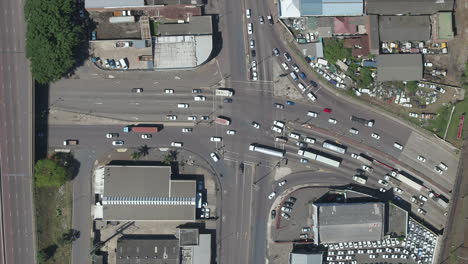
<point x="332" y="7"/>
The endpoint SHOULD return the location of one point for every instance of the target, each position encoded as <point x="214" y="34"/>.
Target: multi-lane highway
<point x="16" y="146"/>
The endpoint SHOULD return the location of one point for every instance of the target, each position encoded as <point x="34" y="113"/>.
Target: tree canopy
<point x="48" y="173"/>
<point x="334" y="50"/>
<point x="52" y="37"/>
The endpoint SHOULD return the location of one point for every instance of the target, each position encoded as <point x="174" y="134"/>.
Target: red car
<point x="327" y="110"/>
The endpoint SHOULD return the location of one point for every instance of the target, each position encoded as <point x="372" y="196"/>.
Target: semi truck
<point x="221" y="120"/>
<point x="224" y="92"/>
<point x="409" y="182"/>
<point x="364" y="159"/>
<point x="141" y="129"/>
<point x="309" y="154"/>
<point x="365" y="122"/>
<point x="267" y="150"/>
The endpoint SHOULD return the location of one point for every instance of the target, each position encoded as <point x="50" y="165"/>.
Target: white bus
<point x="224" y="92"/>
<point x="267" y="150"/>
<point x="334" y="147"/>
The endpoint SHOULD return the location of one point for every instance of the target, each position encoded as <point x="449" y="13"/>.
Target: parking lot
<point x="107" y="49"/>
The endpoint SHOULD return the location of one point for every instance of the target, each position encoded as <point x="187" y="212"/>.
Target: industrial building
<point x="407" y="7"/>
<point x="404" y="28"/>
<point x="143" y="193"/>
<point x="188" y="246"/>
<point x="299" y="8"/>
<point x="399" y="67"/>
<point x="344" y="222"/>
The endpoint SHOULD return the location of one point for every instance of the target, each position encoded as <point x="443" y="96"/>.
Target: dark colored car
<point x="290" y="103"/>
<point x="292" y="199"/>
<point x="93" y="35"/>
<point x="314" y="84"/>
<point x="303" y="76"/>
<point x="273" y="214"/>
<point x="327" y="110"/>
<point x="308" y="60"/>
<point x="253" y="53"/>
<point x="287" y="56"/>
<point x="227" y="100"/>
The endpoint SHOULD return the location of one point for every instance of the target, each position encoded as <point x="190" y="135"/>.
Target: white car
<point x="279" y="106"/>
<point x="196" y="91"/>
<point x="277" y="129"/>
<point x="192" y="118"/>
<point x="254" y="65"/>
<point x="413" y="115"/>
<point x="182" y="105"/>
<point x="255" y="124"/>
<point x="248" y="13"/>
<point x="285" y="66"/>
<point x="279" y="123"/>
<point x="367" y="168"/>
<point x="281" y="183"/>
<point x="172" y="117"/>
<point x="354" y="131"/>
<point x="376" y="136"/>
<point x="421" y="158"/>
<point x="272" y="195"/>
<point x="301" y="144"/>
<point x="216" y="139"/>
<point x="398" y="146"/>
<point x="398" y="190"/>
<point x="295" y="68"/>
<point x="252" y="44"/>
<point x="285" y="215"/>
<point x="214" y="156"/>
<point x="304" y="160"/>
<point x="177" y="144"/>
<point x="294" y="135"/>
<point x="231" y="132"/>
<point x="354" y="155"/>
<point x="301" y="86"/>
<point x="249" y="28"/>
<point x="187" y="130"/>
<point x="428" y="64"/>
<point x="117" y="143"/>
<point x="422" y="198"/>
<point x="261" y="19"/>
<point x="332" y="121"/>
<point x="384" y="183"/>
<point x="382" y="190"/>
<point x="146" y="136"/>
<point x="312" y="114"/>
<point x="438" y="170"/>
<point x="443" y="166"/>
<point x="286" y="209"/>
<point x="421" y="85"/>
<point x="254" y="76"/>
<point x="169" y="91"/>
<point x="309" y="140"/>
<point x="199" y="98"/>
<point x="421" y="211"/>
<point x="112" y="135"/>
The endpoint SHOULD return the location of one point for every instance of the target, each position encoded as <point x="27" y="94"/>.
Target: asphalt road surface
<point x="245" y="206"/>
<point x="17" y="237"/>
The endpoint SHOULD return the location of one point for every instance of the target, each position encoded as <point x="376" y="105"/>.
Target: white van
<point x="293" y="76"/>
<point x="278" y="123"/>
<point x="311" y="97"/>
<point x="294" y="135"/>
<point x="123" y="63"/>
<point x="309" y="140"/>
<point x="398" y="146"/>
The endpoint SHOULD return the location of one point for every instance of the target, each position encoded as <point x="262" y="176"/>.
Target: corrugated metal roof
<point x="399" y="67"/>
<point x="413" y="7"/>
<point x="297" y="258"/>
<point x="289" y="8"/>
<point x="113" y="3"/>
<point x="404" y="28"/>
<point x="332" y="7"/>
<point x="350" y="222"/>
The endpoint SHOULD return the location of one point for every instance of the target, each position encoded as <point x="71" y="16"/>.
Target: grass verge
<point x="53" y="220"/>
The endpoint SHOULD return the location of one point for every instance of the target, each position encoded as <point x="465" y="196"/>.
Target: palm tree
<point x="143" y="150"/>
<point x="170" y="157"/>
<point x="136" y="155"/>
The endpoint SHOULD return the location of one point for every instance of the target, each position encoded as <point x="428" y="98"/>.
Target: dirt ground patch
<point x="454" y="62"/>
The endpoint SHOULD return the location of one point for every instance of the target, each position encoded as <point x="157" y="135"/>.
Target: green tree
<point x="334" y="50"/>
<point x="48" y="173"/>
<point x="136" y="155"/>
<point x="170" y="157"/>
<point x="53" y="36"/>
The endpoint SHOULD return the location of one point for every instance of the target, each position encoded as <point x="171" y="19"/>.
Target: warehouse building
<point x="399" y="67"/>
<point x="344" y="222"/>
<point x="299" y="8"/>
<point x="407" y="7"/>
<point x="404" y="28"/>
<point x="143" y="193"/>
